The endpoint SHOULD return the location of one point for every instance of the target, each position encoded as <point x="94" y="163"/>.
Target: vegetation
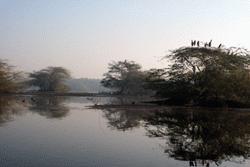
<point x="196" y="75"/>
<point x="204" y="76"/>
<point x="125" y="78"/>
<point x="9" y="79"/>
<point x="50" y="79"/>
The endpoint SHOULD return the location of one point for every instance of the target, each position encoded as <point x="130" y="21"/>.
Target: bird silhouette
<point x="210" y="43"/>
<point x="198" y="43"/>
<point x="220" y="46"/>
<point x="205" y="44"/>
<point x="193" y="42"/>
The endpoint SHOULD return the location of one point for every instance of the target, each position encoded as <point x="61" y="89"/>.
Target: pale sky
<point x="85" y="35"/>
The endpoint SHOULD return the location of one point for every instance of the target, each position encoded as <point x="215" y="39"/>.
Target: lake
<point x="61" y="132"/>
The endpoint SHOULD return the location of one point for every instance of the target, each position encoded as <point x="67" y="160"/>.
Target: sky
<point x="85" y="35"/>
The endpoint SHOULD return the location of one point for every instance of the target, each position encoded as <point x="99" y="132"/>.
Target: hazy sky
<point x="85" y="35"/>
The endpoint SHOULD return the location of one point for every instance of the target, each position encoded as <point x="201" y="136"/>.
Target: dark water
<point x="60" y="132"/>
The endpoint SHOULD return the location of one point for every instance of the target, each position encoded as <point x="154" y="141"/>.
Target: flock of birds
<point x="206" y="44"/>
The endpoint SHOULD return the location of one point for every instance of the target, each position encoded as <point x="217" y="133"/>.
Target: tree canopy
<point x="205" y="75"/>
<point x="9" y="79"/>
<point x="125" y="78"/>
<point x="50" y="79"/>
<point x="196" y="75"/>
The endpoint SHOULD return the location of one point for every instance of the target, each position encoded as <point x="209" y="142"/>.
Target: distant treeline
<point x="195" y="75"/>
<point x="85" y="85"/>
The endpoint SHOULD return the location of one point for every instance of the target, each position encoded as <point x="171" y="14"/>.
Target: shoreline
<point x="83" y="94"/>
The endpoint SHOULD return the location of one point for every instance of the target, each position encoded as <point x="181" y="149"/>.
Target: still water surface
<point x="63" y="132"/>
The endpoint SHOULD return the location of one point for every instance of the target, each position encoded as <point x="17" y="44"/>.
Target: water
<point x="62" y="132"/>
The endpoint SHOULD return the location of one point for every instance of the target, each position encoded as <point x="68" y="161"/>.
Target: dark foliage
<point x="9" y="79"/>
<point x="204" y="76"/>
<point x="50" y="79"/>
<point x="125" y="78"/>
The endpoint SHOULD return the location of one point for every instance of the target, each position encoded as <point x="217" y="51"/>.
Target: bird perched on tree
<point x="193" y="43"/>
<point x="198" y="43"/>
<point x="219" y="46"/>
<point x="210" y="43"/>
<point x="205" y="44"/>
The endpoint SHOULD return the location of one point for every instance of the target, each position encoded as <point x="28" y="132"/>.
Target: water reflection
<point x="125" y="118"/>
<point x="50" y="107"/>
<point x="197" y="136"/>
<point x="8" y="108"/>
<point x="200" y="136"/>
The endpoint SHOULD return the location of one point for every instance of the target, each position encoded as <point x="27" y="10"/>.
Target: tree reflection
<point x="50" y="107"/>
<point x="9" y="107"/>
<point x="200" y="136"/>
<point x="205" y="136"/>
<point x="123" y="118"/>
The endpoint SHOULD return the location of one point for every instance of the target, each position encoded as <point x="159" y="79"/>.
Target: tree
<point x="207" y="75"/>
<point x="125" y="78"/>
<point x="9" y="79"/>
<point x="156" y="80"/>
<point x="50" y="79"/>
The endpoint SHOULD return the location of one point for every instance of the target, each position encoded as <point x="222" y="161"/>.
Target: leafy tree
<point x="156" y="80"/>
<point x="50" y="79"/>
<point x="125" y="78"/>
<point x="206" y="75"/>
<point x="9" y="80"/>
